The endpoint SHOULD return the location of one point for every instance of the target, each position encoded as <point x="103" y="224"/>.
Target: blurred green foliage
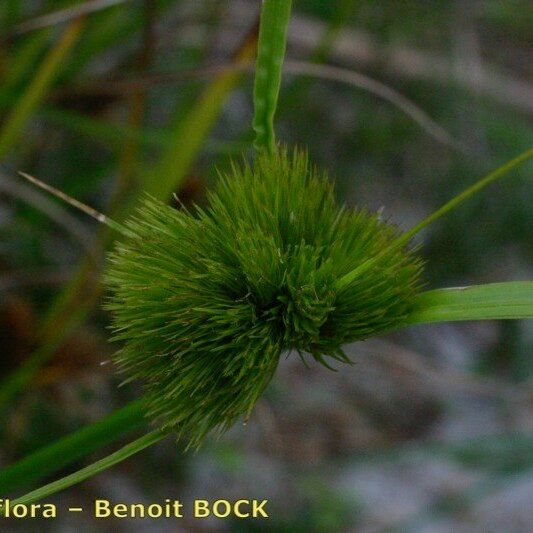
<point x="103" y="146"/>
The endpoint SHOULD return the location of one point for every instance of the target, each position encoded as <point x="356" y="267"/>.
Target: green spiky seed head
<point x="206" y="302"/>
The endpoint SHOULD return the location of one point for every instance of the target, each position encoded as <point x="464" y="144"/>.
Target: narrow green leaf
<point x="469" y="192"/>
<point x="37" y="89"/>
<point x="188" y="136"/>
<point x="275" y="16"/>
<point x="91" y="470"/>
<point x="75" y="446"/>
<point x="404" y="238"/>
<point x="511" y="300"/>
<point x="20" y="63"/>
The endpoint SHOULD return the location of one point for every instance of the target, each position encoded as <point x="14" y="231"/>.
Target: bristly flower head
<point x="206" y="302"/>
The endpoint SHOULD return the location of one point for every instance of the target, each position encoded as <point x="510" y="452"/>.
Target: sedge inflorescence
<point x="206" y="302"/>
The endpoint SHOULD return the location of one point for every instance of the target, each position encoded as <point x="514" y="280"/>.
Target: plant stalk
<point x="446" y="208"/>
<point x="275" y="16"/>
<point x="91" y="470"/>
<point x="73" y="447"/>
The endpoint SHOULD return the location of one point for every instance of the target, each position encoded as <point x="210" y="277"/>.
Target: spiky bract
<point x="206" y="302"/>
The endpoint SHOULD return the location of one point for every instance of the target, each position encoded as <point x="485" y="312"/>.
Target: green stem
<point x="72" y="447"/>
<point x="467" y="193"/>
<point x="446" y="208"/>
<point x="275" y="16"/>
<point x="511" y="300"/>
<point x="91" y="470"/>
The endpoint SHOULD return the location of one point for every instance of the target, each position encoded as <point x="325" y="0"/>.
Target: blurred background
<point x="432" y="429"/>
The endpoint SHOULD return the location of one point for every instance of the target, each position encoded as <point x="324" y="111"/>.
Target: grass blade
<point x="510" y="300"/>
<point x="91" y="470"/>
<point x="404" y="239"/>
<point x="469" y="192"/>
<point x="275" y="15"/>
<point x="37" y="89"/>
<point x="69" y="449"/>
<point x="190" y="134"/>
<point x="20" y="63"/>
